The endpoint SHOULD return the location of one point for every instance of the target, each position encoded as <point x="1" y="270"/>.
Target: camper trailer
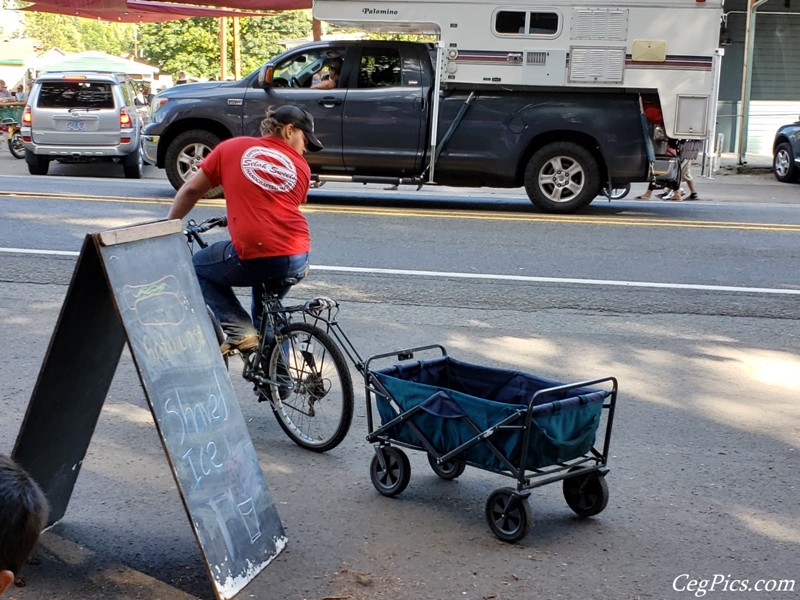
<point x="633" y="45"/>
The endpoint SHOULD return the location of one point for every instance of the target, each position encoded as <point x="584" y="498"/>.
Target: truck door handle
<point x="329" y="101"/>
<point x="419" y="103"/>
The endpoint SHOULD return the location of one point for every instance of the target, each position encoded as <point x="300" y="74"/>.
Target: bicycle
<point x="299" y="365"/>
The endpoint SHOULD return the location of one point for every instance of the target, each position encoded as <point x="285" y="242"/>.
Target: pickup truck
<point x="564" y="146"/>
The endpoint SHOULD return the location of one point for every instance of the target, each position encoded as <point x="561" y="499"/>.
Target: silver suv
<point x="82" y="117"/>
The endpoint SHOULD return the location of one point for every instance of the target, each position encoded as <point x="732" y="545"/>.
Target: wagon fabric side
<point x="486" y="410"/>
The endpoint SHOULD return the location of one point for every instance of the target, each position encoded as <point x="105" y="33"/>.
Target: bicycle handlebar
<point x="192" y="230"/>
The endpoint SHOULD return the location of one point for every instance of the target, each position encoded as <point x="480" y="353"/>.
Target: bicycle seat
<point x="275" y="286"/>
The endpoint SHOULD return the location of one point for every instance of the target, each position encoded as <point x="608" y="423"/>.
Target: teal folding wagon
<point x="534" y="430"/>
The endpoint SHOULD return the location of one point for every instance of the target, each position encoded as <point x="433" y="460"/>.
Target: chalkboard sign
<point x="161" y="309"/>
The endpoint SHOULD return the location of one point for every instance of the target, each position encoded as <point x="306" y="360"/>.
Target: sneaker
<point x="246" y="344"/>
<point x="667" y="195"/>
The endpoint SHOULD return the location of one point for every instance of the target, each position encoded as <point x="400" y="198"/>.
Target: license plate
<point x="76" y="125"/>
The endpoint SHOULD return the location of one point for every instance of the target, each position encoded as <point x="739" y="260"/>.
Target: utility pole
<point x="223" y="48"/>
<point x="237" y="51"/>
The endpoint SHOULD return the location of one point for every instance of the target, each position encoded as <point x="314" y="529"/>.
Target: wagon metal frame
<point x="507" y="510"/>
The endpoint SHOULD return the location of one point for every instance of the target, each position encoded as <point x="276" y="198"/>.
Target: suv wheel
<point x="37" y="165"/>
<point x="184" y="155"/>
<point x="783" y="164"/>
<point x="133" y="164"/>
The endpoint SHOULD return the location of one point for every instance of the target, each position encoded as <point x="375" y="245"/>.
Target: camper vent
<point x="596" y="65"/>
<point x="600" y="24"/>
<point x="534" y="57"/>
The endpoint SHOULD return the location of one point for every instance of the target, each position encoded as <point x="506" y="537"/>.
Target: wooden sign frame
<point x="137" y="285"/>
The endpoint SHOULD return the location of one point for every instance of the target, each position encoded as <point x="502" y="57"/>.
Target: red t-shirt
<point x="265" y="181"/>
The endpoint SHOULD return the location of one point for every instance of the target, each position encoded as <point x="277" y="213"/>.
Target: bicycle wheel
<point x="313" y="399"/>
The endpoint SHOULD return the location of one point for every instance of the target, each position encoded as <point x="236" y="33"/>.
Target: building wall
<point x="775" y="84"/>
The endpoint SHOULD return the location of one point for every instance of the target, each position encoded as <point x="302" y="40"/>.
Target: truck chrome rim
<point x="190" y="158"/>
<point x="561" y="179"/>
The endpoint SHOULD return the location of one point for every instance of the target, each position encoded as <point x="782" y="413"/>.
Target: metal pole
<point x="711" y="139"/>
<point x="747" y="77"/>
<point x="437" y="87"/>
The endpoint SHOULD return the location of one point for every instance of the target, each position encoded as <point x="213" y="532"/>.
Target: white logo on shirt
<point x="269" y="169"/>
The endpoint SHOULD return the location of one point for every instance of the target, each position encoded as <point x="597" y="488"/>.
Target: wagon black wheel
<point x="448" y="470"/>
<point x="508" y="514"/>
<point x="392" y="479"/>
<point x="587" y="494"/>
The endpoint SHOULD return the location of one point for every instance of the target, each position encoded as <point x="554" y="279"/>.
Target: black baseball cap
<point x="302" y="119"/>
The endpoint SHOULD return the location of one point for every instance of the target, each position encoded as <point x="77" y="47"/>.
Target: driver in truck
<point x="331" y="80"/>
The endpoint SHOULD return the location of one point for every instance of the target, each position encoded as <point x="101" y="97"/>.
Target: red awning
<point x="249" y="4"/>
<point x="152" y="11"/>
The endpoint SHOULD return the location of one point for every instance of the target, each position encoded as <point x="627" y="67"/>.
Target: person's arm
<point x="189" y="194"/>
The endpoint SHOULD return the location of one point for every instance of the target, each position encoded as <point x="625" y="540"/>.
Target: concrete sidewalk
<point x="753" y="163"/>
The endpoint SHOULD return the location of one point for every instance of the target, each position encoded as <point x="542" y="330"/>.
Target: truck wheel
<point x="562" y="177"/>
<point x="184" y="155"/>
<point x="37" y="165"/>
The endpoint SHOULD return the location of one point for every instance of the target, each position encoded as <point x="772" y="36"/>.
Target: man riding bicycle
<point x="265" y="181"/>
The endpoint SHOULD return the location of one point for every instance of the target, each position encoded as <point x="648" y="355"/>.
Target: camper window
<point x="543" y="23"/>
<point x="507" y="21"/>
<point x="512" y="22"/>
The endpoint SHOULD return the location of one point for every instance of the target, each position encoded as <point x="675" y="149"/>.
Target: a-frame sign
<point x="137" y="285"/>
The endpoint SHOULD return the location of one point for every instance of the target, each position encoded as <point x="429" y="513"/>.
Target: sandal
<point x="642" y="198"/>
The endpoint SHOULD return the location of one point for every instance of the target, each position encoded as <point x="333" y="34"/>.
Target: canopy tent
<point x="150" y="11"/>
<point x="95" y="61"/>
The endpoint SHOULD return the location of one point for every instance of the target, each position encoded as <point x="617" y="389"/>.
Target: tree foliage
<point x="74" y="34"/>
<point x="192" y="45"/>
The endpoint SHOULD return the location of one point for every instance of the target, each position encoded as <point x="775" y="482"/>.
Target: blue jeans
<point x="219" y="268"/>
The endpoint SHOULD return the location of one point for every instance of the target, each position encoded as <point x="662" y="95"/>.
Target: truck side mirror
<point x="265" y="74"/>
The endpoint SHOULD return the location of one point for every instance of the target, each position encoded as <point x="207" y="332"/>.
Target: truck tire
<point x="184" y="155"/>
<point x="37" y="165"/>
<point x="562" y="177"/>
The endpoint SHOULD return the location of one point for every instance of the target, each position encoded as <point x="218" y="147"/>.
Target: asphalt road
<point x="692" y="306"/>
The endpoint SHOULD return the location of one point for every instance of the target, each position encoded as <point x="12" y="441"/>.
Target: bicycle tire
<point x="315" y="408"/>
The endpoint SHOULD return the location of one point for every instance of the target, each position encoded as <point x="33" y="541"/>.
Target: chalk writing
<point x="156" y="303"/>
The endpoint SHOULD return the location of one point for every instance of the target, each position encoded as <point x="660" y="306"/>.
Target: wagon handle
<point x="570" y="386"/>
<point x="406" y="354"/>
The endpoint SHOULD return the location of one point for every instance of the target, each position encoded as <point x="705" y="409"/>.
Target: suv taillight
<point x="124" y="119"/>
<point x="27" y="117"/>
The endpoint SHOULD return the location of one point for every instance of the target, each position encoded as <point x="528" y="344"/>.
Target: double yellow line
<point x="437" y="213"/>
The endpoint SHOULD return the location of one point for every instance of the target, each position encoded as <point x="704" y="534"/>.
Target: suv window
<point x="72" y="94"/>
